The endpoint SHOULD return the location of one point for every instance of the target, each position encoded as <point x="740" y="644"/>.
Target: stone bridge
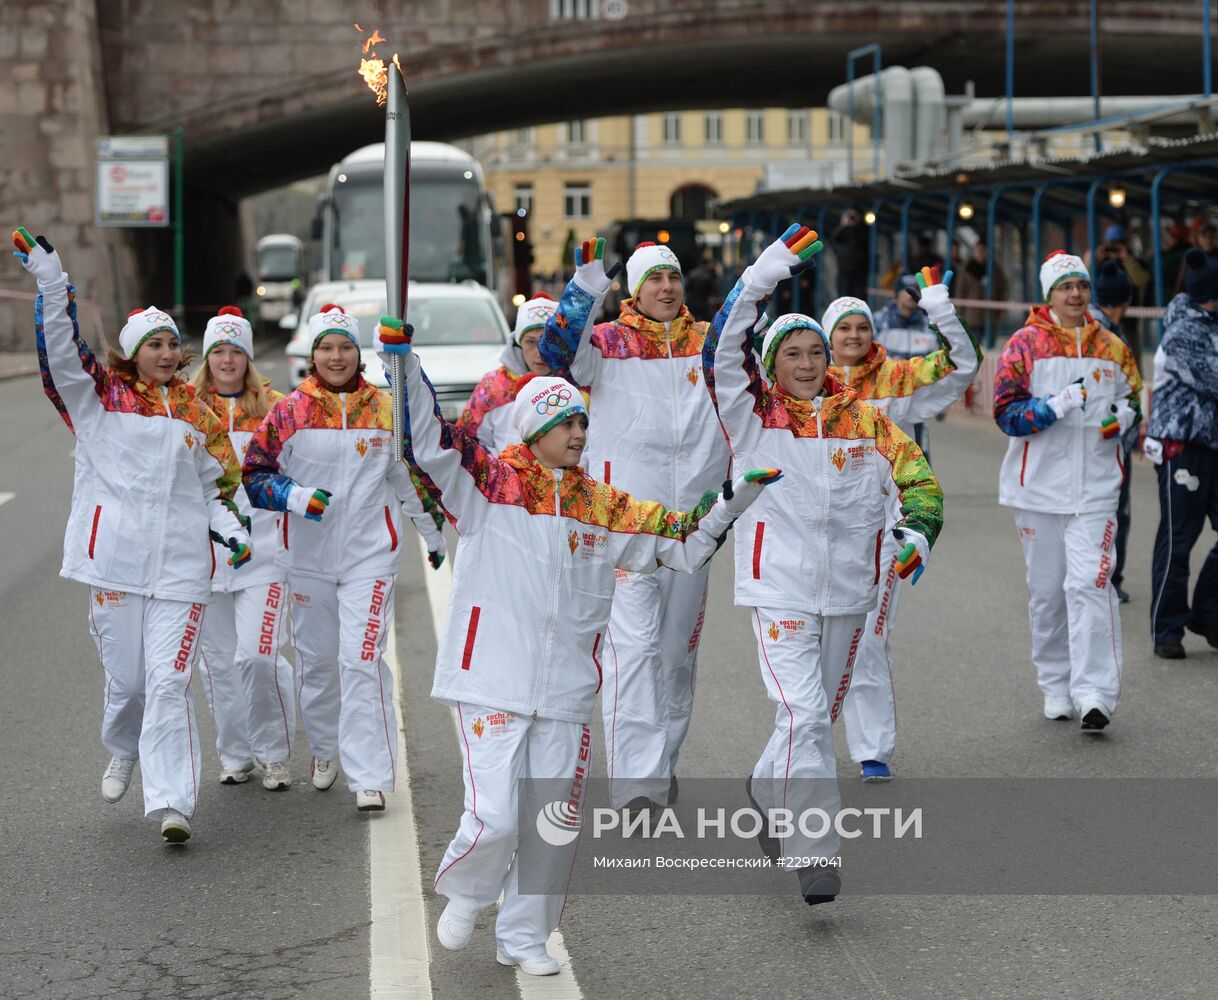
<point x="266" y="90"/>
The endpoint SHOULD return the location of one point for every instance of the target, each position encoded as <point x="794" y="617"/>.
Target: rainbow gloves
<point x="909" y="563"/>
<point x="317" y="504"/>
<point x="591" y="255"/>
<point x="801" y="241"/>
<point x="1110" y="426"/>
<point x="932" y="276"/>
<point x="241" y="553"/>
<point x="763" y="476"/>
<point x="395" y="336"/>
<point x="23" y="241"/>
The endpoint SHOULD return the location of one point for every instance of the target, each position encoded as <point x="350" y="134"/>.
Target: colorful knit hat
<point x="1059" y="266"/>
<point x="778" y="332"/>
<point x="229" y="326"/>
<point x="544" y="402"/>
<point x="142" y="324"/>
<point x="533" y="315"/>
<point x="648" y="257"/>
<point x="332" y="319"/>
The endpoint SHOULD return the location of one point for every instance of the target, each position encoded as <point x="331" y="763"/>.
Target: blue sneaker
<point x="875" y="770"/>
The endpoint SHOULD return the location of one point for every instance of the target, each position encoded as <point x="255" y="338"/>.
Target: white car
<point x="459" y="333"/>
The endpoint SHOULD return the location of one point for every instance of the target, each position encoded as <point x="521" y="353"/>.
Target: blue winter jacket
<point x="1184" y="404"/>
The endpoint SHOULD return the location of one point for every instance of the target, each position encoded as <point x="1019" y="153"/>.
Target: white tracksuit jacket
<point x="850" y="474"/>
<point x="539" y="548"/>
<point x="147" y="490"/>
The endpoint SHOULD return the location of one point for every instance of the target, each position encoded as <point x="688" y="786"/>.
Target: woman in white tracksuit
<point x="248" y="679"/>
<point x="522" y="648"/>
<point x="341" y="547"/>
<point x="1065" y="390"/>
<point x="154" y="473"/>
<point x="910" y="391"/>
<point x="808" y="556"/>
<point x="656" y="436"/>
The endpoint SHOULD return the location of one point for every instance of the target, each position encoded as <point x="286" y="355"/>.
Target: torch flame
<point x="372" y="67"/>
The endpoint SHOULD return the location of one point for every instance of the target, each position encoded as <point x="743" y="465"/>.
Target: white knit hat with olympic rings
<point x="544" y="402"/>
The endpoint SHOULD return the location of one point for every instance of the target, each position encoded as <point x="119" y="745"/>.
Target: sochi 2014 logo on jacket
<point x="856" y="455"/>
<point x="588" y="544"/>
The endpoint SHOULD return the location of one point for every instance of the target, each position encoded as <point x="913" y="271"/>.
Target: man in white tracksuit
<point x="522" y="645"/>
<point x="808" y="556"/>
<point x="655" y="436"/>
<point x="1065" y="391"/>
<point x="910" y="391"/>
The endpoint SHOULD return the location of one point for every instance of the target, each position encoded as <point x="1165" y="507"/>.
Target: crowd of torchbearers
<point x="591" y="479"/>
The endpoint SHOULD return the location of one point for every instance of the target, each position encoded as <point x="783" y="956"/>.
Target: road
<point x="271" y="898"/>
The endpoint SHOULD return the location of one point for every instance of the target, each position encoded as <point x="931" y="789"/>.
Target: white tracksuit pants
<point x="248" y="680"/>
<point x="806" y="663"/>
<point x="1076" y="627"/>
<point x="498" y="751"/>
<point x="148" y="649"/>
<point x="870" y="708"/>
<point x="344" y="687"/>
<point x="647" y="696"/>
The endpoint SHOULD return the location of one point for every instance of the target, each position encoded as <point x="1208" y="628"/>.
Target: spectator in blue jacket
<point x="1183" y="442"/>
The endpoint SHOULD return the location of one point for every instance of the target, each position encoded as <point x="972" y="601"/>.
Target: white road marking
<point x="563" y="986"/>
<point x="400" y="956"/>
<point x="6" y="497"/>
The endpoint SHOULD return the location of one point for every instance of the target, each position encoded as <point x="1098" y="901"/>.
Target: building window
<point x="797" y="127"/>
<point x="714" y="128"/>
<point x="523" y="136"/>
<point x="524" y="199"/>
<point x="837" y="127"/>
<point x="692" y="202"/>
<point x="577" y="200"/>
<point x="577" y="132"/>
<point x="754" y="126"/>
<point x="672" y="130"/>
<point x="575" y="10"/>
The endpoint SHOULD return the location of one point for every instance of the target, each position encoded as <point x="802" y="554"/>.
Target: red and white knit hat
<point x="648" y="257"/>
<point x="229" y="326"/>
<point x="1059" y="266"/>
<point x="142" y="324"/>
<point x="534" y="314"/>
<point x="544" y="402"/>
<point x="332" y="319"/>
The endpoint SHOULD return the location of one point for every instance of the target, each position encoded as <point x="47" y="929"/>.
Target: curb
<point x="12" y="373"/>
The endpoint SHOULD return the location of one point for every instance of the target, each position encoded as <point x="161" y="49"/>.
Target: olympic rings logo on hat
<point x="228" y="330"/>
<point x="156" y="316"/>
<point x="554" y="401"/>
<point x="540" y="312"/>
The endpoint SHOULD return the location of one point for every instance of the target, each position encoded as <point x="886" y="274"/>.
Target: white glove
<point x="1153" y="450"/>
<point x="238" y="542"/>
<point x="308" y="502"/>
<point x="1125" y="415"/>
<point x="774" y="265"/>
<point x="937" y="303"/>
<point x="43" y="264"/>
<point x="739" y="493"/>
<point x="1073" y="397"/>
<point x="590" y="267"/>
<point x="911" y="565"/>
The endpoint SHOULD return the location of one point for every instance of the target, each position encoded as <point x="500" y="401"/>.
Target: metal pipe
<point x="1010" y="71"/>
<point x="906" y="205"/>
<point x="822" y="220"/>
<point x="1093" y="190"/>
<point x="1207" y="65"/>
<point x="1095" y="69"/>
<point x="876" y="207"/>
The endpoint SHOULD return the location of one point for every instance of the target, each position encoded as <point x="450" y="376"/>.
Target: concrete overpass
<point x="266" y="90"/>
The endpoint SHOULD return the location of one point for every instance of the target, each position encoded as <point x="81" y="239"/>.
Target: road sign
<point x="133" y="181"/>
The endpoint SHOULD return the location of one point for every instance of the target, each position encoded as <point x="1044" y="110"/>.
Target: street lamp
<point x="1116" y="197"/>
<point x="965" y="211"/>
<point x="869" y="218"/>
<point x="724" y="227"/>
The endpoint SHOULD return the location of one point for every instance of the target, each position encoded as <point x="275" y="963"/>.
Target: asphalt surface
<point x="271" y="900"/>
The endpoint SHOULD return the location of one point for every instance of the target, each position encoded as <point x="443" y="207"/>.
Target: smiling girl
<point x="249" y="682"/>
<point x="154" y="472"/>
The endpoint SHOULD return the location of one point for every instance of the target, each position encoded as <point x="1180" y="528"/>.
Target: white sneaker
<point x="117" y="778"/>
<point x="236" y="775"/>
<point x="455" y="927"/>
<point x="322" y="773"/>
<point x="175" y="828"/>
<point x="534" y="965"/>
<point x="369" y="800"/>
<point x="1058" y="708"/>
<point x="276" y="777"/>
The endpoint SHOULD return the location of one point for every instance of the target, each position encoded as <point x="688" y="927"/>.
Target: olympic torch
<point x="397" y="234"/>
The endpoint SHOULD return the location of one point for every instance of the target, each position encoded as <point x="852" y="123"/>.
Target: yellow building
<point x="583" y="175"/>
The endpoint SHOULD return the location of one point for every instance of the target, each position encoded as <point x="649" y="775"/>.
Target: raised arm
<point x="729" y="363"/>
<point x="565" y="344"/>
<point x="74" y="379"/>
<point x="647" y="536"/>
<point x="936" y="380"/>
<point x="44" y="368"/>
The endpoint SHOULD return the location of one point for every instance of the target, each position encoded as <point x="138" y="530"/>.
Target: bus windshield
<point x="445" y="230"/>
<point x="278" y="263"/>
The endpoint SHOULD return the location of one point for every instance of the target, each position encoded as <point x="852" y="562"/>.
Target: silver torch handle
<point x="397" y="236"/>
